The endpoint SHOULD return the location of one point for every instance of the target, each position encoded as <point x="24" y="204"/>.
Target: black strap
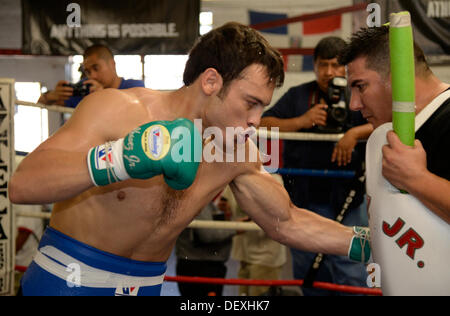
<point x="319" y="258"/>
<point x="313" y="97"/>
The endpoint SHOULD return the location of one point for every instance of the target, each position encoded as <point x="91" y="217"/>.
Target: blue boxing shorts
<point x="64" y="266"/>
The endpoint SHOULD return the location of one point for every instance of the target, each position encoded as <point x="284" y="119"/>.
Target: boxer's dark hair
<point x="230" y="49"/>
<point x="329" y="47"/>
<point x="100" y="50"/>
<point x="373" y="43"/>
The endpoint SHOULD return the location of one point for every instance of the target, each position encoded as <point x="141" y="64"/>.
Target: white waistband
<point x="76" y="273"/>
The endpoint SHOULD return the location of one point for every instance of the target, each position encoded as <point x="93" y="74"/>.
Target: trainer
<point x="423" y="170"/>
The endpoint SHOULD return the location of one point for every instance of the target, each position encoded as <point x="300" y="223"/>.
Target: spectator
<point x="260" y="257"/>
<point x="204" y="252"/>
<point x="99" y="68"/>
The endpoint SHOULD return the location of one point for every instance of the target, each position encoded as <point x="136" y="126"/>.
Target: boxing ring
<point x="232" y="225"/>
<point x="7" y="217"/>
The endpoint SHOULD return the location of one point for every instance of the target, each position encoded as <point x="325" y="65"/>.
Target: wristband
<point x="359" y="249"/>
<point x="105" y="163"/>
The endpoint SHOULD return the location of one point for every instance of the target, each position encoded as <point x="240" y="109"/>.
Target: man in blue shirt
<point x="303" y="108"/>
<point x="100" y="69"/>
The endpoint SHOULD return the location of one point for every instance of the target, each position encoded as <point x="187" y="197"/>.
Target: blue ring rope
<point x="314" y="172"/>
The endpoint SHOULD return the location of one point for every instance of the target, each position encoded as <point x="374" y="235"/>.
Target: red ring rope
<point x="318" y="285"/>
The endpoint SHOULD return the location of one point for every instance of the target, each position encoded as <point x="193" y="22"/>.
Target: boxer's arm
<point x="49" y="175"/>
<point x="57" y="169"/>
<point x="269" y="205"/>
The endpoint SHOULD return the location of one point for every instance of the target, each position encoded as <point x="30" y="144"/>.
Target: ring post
<point x="7" y="158"/>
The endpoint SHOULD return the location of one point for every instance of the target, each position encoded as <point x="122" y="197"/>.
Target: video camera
<point x="80" y="89"/>
<point x="338" y="114"/>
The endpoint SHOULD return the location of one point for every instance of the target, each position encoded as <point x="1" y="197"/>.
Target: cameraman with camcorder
<point x="321" y="106"/>
<point x="100" y="69"/>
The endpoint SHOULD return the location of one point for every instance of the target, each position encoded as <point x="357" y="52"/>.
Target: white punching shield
<point x="409" y="242"/>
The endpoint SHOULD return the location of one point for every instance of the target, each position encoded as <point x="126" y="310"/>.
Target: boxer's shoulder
<point x="114" y="107"/>
<point x="109" y="102"/>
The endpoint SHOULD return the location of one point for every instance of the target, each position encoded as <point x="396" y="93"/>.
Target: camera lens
<point x="339" y="114"/>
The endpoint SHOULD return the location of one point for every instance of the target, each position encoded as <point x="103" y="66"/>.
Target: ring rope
<point x="202" y="224"/>
<point x="316" y="284"/>
<point x="299" y="136"/>
<point x="56" y="108"/>
<point x="261" y="132"/>
<point x="325" y="173"/>
<point x="229" y="225"/>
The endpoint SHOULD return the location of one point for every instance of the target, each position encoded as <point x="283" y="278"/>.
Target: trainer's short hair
<point x="373" y="43"/>
<point x="230" y="49"/>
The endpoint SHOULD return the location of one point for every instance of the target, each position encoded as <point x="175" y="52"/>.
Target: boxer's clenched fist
<point x="160" y="147"/>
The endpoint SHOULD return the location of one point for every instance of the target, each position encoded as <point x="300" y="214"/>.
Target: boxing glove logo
<point x="156" y="142"/>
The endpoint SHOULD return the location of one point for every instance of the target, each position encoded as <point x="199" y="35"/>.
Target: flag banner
<point x="259" y="17"/>
<point x="297" y="35"/>
<point x="322" y="25"/>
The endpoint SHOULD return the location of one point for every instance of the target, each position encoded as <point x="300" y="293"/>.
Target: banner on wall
<point x="55" y="27"/>
<point x="430" y="20"/>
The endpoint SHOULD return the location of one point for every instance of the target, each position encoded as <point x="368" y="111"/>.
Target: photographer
<point x="310" y="107"/>
<point x="99" y="68"/>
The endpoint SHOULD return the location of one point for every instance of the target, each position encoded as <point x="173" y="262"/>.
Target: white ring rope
<point x="300" y="136"/>
<point x="228" y="225"/>
<point x="261" y="132"/>
<point x="56" y="108"/>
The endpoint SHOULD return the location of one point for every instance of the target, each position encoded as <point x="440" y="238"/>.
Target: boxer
<point x="122" y="194"/>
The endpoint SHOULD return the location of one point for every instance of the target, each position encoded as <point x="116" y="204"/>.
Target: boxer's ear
<point x="211" y="81"/>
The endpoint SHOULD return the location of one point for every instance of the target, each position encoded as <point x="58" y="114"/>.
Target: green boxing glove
<point x="170" y="148"/>
<point x="359" y="249"/>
